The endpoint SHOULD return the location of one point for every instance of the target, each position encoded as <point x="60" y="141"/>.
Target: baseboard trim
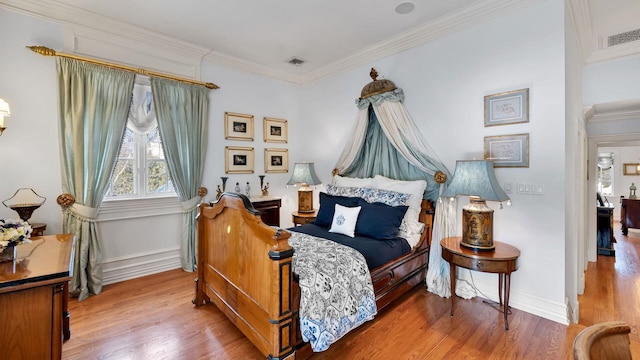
<point x="130" y="267"/>
<point x="554" y="311"/>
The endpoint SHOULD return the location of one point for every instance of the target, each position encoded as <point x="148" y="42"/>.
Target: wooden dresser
<point x="269" y="208"/>
<point x="629" y="214"/>
<point x="33" y="298"/>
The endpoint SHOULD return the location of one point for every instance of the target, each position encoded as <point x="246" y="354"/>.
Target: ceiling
<point x="329" y="35"/>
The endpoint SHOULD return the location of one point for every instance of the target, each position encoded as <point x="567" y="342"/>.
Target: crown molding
<point x="613" y="111"/>
<point x="74" y="17"/>
<point x="581" y="16"/>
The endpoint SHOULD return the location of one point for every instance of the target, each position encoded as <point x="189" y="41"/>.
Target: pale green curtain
<point x="182" y="111"/>
<point x="94" y="106"/>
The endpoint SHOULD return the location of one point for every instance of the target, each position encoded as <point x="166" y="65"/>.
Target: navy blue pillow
<point x="379" y="221"/>
<point x="328" y="207"/>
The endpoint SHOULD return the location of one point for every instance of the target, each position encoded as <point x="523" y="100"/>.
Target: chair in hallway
<point x="608" y="340"/>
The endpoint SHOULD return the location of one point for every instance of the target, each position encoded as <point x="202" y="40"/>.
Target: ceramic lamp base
<point x="477" y="225"/>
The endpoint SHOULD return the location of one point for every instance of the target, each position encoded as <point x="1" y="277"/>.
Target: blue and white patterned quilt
<point x="336" y="292"/>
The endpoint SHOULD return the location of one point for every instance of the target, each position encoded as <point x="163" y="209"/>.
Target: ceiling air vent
<point x="295" y="61"/>
<point x="623" y="38"/>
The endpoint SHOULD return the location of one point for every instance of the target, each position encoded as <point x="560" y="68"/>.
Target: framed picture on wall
<point x="275" y="130"/>
<point x="238" y="160"/>
<point x="631" y="169"/>
<point x="238" y="126"/>
<point x="276" y="160"/>
<point x="506" y="108"/>
<point x="507" y="150"/>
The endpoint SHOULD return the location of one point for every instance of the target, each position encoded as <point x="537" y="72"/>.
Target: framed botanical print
<point x="275" y="130"/>
<point x="507" y="150"/>
<point x="506" y="108"/>
<point x="276" y="160"/>
<point x="238" y="126"/>
<point x="238" y="160"/>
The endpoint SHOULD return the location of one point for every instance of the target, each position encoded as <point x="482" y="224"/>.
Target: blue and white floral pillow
<point x="371" y="195"/>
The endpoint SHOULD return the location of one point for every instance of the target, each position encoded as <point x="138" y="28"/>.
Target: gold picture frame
<point x="511" y="107"/>
<point x="276" y="160"/>
<point x="238" y="160"/>
<point x="630" y="169"/>
<point x="238" y="126"/>
<point x="275" y="130"/>
<point x="507" y="150"/>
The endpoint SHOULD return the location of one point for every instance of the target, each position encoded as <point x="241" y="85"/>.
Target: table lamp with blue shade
<point x="304" y="175"/>
<point x="476" y="179"/>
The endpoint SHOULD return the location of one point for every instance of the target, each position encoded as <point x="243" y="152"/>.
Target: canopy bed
<point x="272" y="283"/>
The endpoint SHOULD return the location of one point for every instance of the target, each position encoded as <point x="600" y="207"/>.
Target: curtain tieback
<point x="84" y="211"/>
<point x="191" y="203"/>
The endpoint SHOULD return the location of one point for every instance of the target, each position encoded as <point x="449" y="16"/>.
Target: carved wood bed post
<point x="244" y="267"/>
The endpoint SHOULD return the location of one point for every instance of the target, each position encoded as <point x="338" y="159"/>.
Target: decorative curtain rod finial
<point x="42" y="50"/>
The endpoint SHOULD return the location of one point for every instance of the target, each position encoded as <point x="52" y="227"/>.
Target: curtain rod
<point x="43" y="50"/>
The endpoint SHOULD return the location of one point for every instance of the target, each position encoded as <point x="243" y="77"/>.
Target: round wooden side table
<point x="502" y="261"/>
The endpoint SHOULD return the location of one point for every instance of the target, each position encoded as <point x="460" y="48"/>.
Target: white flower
<point x="14" y="231"/>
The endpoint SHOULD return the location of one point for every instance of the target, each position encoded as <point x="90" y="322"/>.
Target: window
<point x="141" y="169"/>
<point x="605" y="173"/>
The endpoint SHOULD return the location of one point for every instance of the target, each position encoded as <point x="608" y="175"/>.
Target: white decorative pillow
<point x="352" y="182"/>
<point x="410" y="223"/>
<point x="415" y="188"/>
<point x="344" y="220"/>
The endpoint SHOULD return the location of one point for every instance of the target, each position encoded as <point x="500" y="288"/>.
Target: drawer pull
<point x="480" y="265"/>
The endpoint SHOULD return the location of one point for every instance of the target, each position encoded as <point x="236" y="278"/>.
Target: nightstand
<point x="269" y="208"/>
<point x="502" y="261"/>
<point x="303" y="218"/>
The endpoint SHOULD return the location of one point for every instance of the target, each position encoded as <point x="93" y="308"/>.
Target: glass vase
<point x="8" y="253"/>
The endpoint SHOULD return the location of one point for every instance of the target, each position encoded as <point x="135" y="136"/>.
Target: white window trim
<point x="131" y="208"/>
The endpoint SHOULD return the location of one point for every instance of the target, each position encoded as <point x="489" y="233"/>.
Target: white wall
<point x="612" y="81"/>
<point x="29" y="146"/>
<point x="445" y="82"/>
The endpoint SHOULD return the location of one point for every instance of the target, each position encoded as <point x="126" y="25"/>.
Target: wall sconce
<point x="4" y="111"/>
<point x="305" y="175"/>
<point x="476" y="179"/>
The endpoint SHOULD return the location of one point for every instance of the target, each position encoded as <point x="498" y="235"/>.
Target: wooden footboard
<point x="244" y="267"/>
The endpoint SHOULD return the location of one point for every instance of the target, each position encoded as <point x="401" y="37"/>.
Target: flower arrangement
<point x="14" y="232"/>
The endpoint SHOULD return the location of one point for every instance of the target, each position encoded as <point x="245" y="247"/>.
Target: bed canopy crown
<point x="387" y="142"/>
<point x="376" y="86"/>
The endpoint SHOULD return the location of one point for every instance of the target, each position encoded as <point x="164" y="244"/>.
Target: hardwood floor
<point x="153" y="318"/>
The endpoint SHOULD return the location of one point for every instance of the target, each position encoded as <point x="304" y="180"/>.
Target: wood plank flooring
<point x="153" y="318"/>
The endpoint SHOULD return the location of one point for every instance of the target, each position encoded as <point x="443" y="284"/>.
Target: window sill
<point x="119" y="209"/>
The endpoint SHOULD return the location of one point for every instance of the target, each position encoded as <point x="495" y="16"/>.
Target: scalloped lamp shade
<point x="476" y="179"/>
